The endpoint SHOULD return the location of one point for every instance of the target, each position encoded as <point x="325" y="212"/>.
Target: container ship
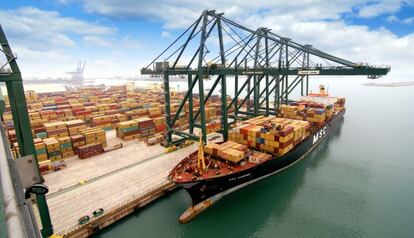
<point x="257" y="148"/>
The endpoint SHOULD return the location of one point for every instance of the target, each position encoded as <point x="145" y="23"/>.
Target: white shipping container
<point x="322" y="100"/>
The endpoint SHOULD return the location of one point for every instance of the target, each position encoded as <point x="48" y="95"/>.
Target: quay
<point x="119" y="182"/>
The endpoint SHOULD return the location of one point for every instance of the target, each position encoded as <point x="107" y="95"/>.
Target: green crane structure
<point x="264" y="66"/>
<point x="10" y="74"/>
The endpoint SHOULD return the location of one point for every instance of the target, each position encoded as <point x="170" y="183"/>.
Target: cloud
<point x="129" y="42"/>
<point x="181" y="13"/>
<point x="408" y="20"/>
<point x="392" y="19"/>
<point x="395" y="19"/>
<point x="165" y="34"/>
<point x="46" y="63"/>
<point x="45" y="40"/>
<point x="31" y="19"/>
<point x="43" y="30"/>
<point x="379" y="8"/>
<point x="105" y="63"/>
<point x="65" y="2"/>
<point x="97" y="40"/>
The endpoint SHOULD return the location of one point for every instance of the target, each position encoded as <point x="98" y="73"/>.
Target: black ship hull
<point x="215" y="188"/>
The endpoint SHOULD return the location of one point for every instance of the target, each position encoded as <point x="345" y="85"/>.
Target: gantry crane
<point x="264" y="65"/>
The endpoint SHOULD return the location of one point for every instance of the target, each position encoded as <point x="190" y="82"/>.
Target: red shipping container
<point x="61" y="102"/>
<point x="74" y="110"/>
<point x="111" y="112"/>
<point x="64" y="106"/>
<point x="160" y="128"/>
<point x="87" y="104"/>
<point x="45" y="113"/>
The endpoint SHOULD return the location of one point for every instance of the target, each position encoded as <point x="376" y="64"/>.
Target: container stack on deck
<point x="229" y="150"/>
<point x="315" y="109"/>
<point x="270" y="134"/>
<point x="300" y="112"/>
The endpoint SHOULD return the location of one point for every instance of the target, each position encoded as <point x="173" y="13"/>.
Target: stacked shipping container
<point x="274" y="135"/>
<point x="53" y="149"/>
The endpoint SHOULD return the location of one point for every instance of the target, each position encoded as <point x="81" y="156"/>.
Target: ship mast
<point x="200" y="161"/>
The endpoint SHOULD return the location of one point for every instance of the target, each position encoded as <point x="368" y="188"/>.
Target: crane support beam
<point x="364" y="70"/>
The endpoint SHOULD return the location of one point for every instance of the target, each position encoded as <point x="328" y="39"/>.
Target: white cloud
<point x="165" y="34"/>
<point x="64" y="2"/>
<point x="97" y="40"/>
<point x="392" y="18"/>
<point x="32" y="20"/>
<point x="181" y="13"/>
<point x="380" y="7"/>
<point x="44" y="40"/>
<point x="395" y="19"/>
<point x="105" y="63"/>
<point x="129" y="42"/>
<point x="408" y="20"/>
<point x="46" y="63"/>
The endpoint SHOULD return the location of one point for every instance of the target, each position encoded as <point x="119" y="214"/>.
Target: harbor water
<point x="357" y="183"/>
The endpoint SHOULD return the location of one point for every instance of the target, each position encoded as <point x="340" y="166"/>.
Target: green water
<point x="358" y="183"/>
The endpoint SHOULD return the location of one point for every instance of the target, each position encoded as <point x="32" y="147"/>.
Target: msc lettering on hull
<point x="319" y="135"/>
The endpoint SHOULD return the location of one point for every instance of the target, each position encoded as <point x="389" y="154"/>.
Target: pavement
<point x="112" y="179"/>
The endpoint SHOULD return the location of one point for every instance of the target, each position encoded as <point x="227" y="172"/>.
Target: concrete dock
<point x="118" y="181"/>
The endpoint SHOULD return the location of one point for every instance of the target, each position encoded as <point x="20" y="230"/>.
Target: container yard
<point x="88" y="156"/>
<point x="96" y="139"/>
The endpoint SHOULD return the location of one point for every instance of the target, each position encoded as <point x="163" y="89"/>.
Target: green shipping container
<point x="133" y="128"/>
<point x="66" y="145"/>
<point x="55" y="153"/>
<point x="41" y="135"/>
<point x="41" y="151"/>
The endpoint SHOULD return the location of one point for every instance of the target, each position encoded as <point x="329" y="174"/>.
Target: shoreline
<point x="397" y="84"/>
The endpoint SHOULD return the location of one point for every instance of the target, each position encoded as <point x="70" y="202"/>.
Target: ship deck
<point x="187" y="170"/>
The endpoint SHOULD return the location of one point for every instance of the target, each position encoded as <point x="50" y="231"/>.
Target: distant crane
<point x="77" y="79"/>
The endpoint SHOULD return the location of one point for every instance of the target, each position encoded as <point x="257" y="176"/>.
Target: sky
<point x="117" y="38"/>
